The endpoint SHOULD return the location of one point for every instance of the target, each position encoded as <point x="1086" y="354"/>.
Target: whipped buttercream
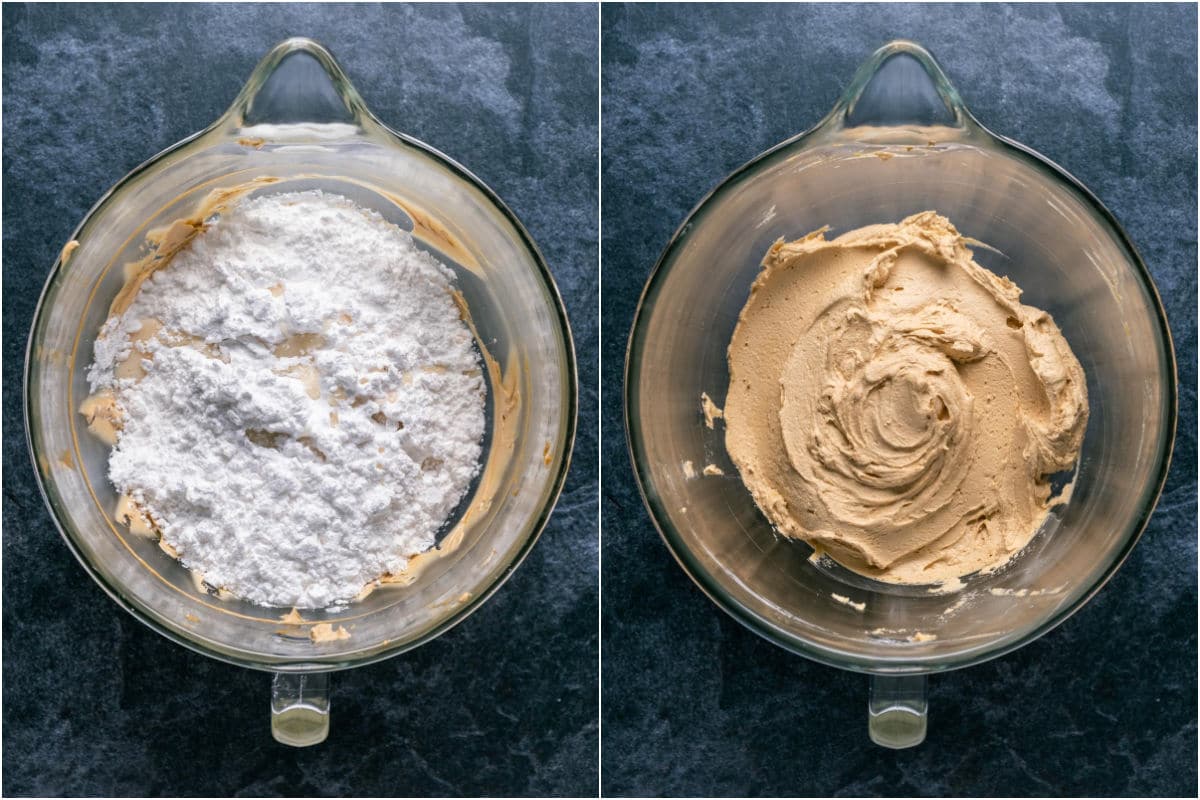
<point x="895" y="404"/>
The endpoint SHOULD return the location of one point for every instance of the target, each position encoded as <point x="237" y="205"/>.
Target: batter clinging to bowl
<point x="894" y="404"/>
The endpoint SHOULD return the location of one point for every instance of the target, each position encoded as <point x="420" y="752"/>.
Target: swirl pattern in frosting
<point x="894" y="403"/>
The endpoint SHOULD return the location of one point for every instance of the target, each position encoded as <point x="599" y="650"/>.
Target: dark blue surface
<point x="695" y="704"/>
<point x="95" y="703"/>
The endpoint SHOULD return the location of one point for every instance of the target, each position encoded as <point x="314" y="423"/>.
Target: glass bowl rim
<point x="536" y="524"/>
<point x="710" y="586"/>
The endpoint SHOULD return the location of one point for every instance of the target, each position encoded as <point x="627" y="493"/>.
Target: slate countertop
<point x="695" y="704"/>
<point x="94" y="702"/>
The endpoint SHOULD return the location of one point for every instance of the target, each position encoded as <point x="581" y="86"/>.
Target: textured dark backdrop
<point x="695" y="704"/>
<point x="94" y="702"/>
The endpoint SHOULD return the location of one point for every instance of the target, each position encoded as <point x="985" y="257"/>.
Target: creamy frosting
<point x="894" y="403"/>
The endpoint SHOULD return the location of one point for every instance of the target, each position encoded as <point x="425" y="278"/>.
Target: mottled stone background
<point x="695" y="704"/>
<point x="94" y="702"/>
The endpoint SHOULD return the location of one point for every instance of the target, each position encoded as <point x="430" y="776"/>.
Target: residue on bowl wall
<point x="915" y="637"/>
<point x="711" y="411"/>
<point x="998" y="592"/>
<point x="846" y="601"/>
<point x="325" y="632"/>
<point x="293" y="617"/>
<point x="450" y="602"/>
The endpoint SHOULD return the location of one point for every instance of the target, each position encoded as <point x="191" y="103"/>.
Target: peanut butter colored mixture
<point x="894" y="404"/>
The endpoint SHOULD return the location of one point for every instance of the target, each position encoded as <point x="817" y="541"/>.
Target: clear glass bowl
<point x="900" y="141"/>
<point x="300" y="121"/>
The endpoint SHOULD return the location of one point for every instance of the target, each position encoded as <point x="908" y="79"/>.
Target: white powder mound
<point x="313" y="406"/>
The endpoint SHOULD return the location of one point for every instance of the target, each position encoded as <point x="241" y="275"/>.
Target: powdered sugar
<point x="312" y="408"/>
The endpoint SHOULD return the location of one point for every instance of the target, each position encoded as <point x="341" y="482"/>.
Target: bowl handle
<point x="900" y="95"/>
<point x="300" y="708"/>
<point x="297" y="91"/>
<point x="898" y="709"/>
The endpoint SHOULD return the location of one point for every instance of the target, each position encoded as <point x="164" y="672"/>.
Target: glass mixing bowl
<point x="298" y="120"/>
<point x="900" y="141"/>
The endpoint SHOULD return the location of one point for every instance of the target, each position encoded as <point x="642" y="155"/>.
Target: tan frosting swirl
<point x="894" y="403"/>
